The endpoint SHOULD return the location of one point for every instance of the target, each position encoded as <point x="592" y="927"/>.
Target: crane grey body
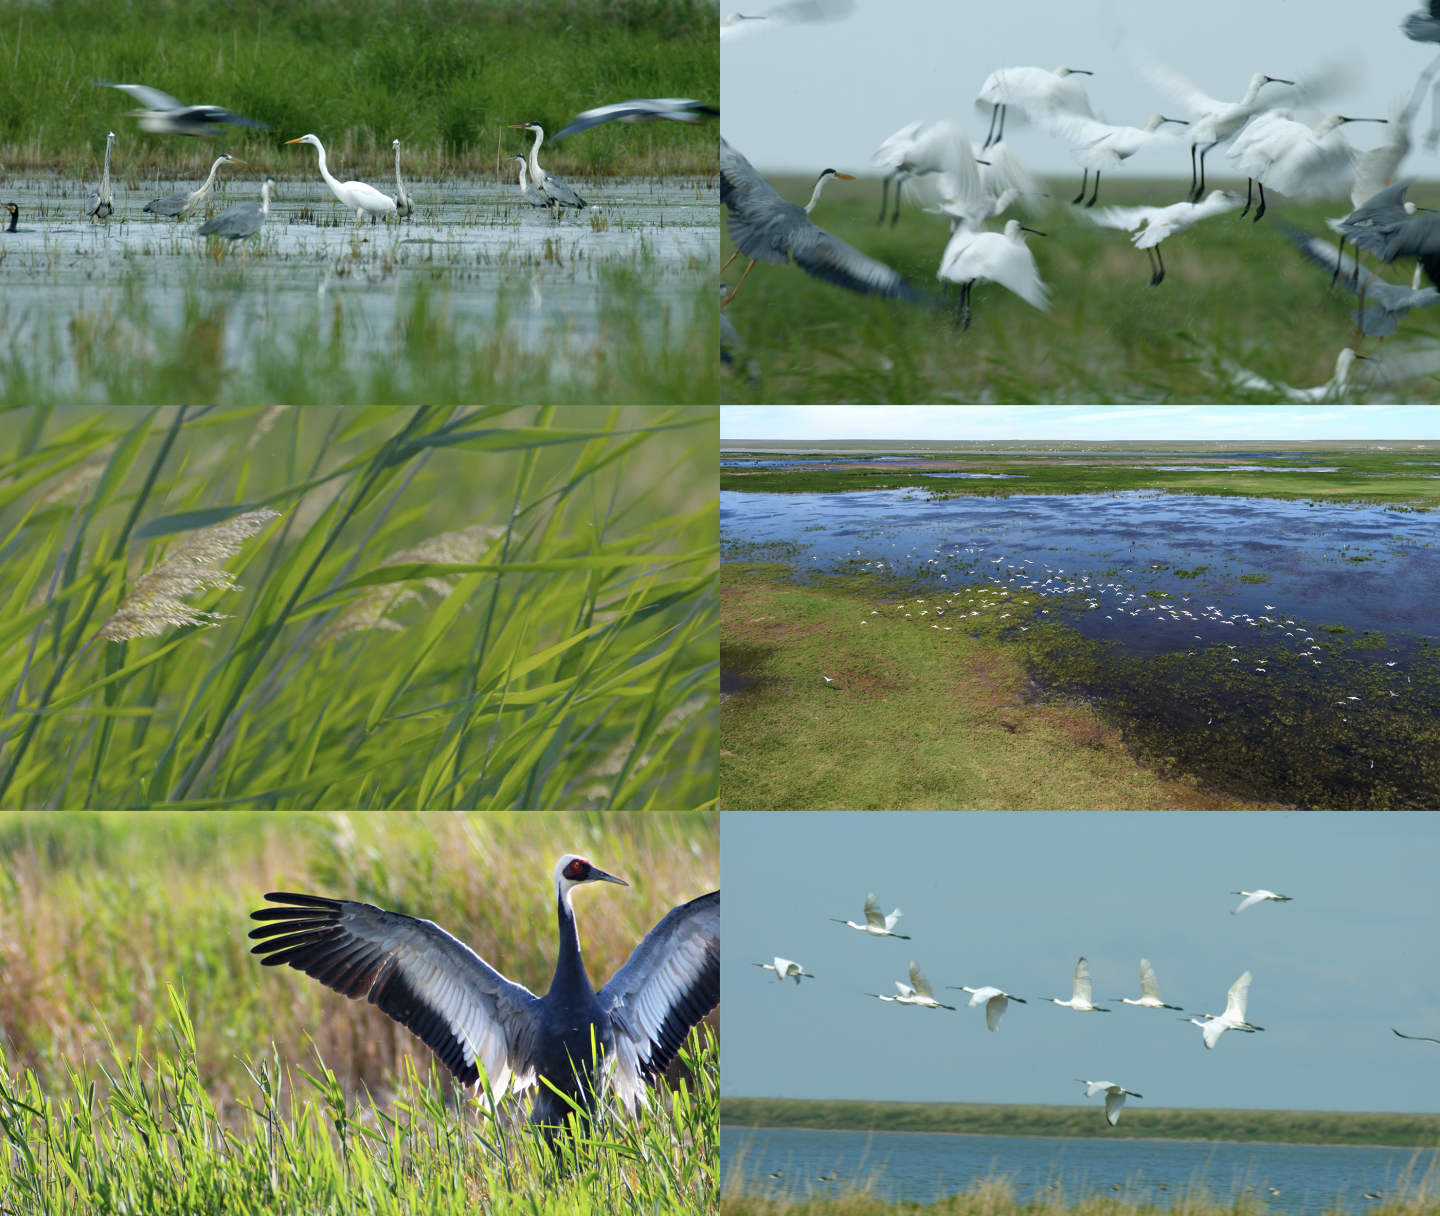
<point x="177" y="206"/>
<point x="766" y="228"/>
<point x="100" y="203"/>
<point x="404" y="204"/>
<point x="552" y="188"/>
<point x="527" y="191"/>
<point x="641" y="109"/>
<point x="165" y="115"/>
<point x="482" y="1025"/>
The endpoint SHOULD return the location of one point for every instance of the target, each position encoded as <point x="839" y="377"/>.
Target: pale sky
<point x="803" y="98"/>
<point x="1081" y="422"/>
<point x="1013" y="899"/>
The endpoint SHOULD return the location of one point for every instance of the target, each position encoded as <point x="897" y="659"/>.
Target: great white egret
<point x="164" y="115"/>
<point x="404" y="204"/>
<point x="972" y="257"/>
<point x="1255" y="897"/>
<point x="1161" y="222"/>
<point x="1149" y="990"/>
<point x="242" y="221"/>
<point x="917" y="992"/>
<point x="876" y="923"/>
<point x="1232" y="1019"/>
<point x="1114" y="1096"/>
<point x="994" y="1000"/>
<point x="359" y="197"/>
<point x="178" y="206"/>
<point x="785" y="969"/>
<point x="559" y="194"/>
<point x="100" y="203"/>
<point x="1080" y="1002"/>
<point x="527" y="191"/>
<point x="641" y="109"/>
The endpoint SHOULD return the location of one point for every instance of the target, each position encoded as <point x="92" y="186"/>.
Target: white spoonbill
<point x="876" y="923"/>
<point x="359" y="197"/>
<point x="785" y="969"/>
<point x="1232" y="1019"/>
<point x="916" y="992"/>
<point x="994" y="1000"/>
<point x="1255" y="897"/>
<point x="1288" y="156"/>
<point x="1162" y="222"/>
<point x="1114" y="1096"/>
<point x="1080" y="1002"/>
<point x="1101" y="146"/>
<point x="1149" y="990"/>
<point x="993" y="257"/>
<point x="1034" y="91"/>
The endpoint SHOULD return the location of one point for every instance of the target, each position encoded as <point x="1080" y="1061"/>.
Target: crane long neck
<point x="570" y="974"/>
<point x="535" y="171"/>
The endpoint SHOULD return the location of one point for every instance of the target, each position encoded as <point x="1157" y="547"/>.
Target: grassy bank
<point x="375" y="644"/>
<point x="1150" y="1123"/>
<point x="446" y="78"/>
<point x="909" y="723"/>
<point x="1234" y="291"/>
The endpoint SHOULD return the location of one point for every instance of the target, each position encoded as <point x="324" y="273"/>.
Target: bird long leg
<point x="1157" y="266"/>
<point x="1339" y="258"/>
<point x="1249" y="193"/>
<point x="1200" y="190"/>
<point x="965" y="303"/>
<point x="732" y="257"/>
<point x="748" y="269"/>
<point x="1261" y="210"/>
<point x="1084" y="181"/>
<point x="884" y="200"/>
<point x="990" y="134"/>
<point x="899" y="178"/>
<point x="1194" y="178"/>
<point x="1001" y="134"/>
<point x="1096" y="195"/>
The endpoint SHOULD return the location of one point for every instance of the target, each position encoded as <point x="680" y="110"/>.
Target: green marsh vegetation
<point x="148" y="1062"/>
<point x="1233" y="291"/>
<point x="365" y="608"/>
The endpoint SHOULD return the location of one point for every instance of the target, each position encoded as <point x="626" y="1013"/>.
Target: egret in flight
<point x="917" y="992"/>
<point x="1080" y="1002"/>
<point x="1255" y="897"/>
<point x="1149" y="990"/>
<point x="785" y="969"/>
<point x="1114" y="1096"/>
<point x="359" y="197"/>
<point x="994" y="1000"/>
<point x="876" y="924"/>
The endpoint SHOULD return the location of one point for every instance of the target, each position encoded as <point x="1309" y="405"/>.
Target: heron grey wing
<point x="152" y="99"/>
<point x="742" y="189"/>
<point x="171" y="204"/>
<point x="1421" y="27"/>
<point x="557" y="190"/>
<point x="827" y="257"/>
<point x="638" y="109"/>
<point x="464" y="1010"/>
<point x="238" y="120"/>
<point x="670" y="981"/>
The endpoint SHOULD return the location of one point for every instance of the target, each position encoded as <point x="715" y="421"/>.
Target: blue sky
<point x="1014" y="899"/>
<point x="1080" y="422"/>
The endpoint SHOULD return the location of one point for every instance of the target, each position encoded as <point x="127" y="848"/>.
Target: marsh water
<point x="1305" y="633"/>
<point x="923" y="1168"/>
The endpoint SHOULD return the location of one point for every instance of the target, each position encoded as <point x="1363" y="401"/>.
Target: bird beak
<point x="598" y="875"/>
<point x="1364" y="119"/>
<point x="519" y="126"/>
<point x="1277" y="80"/>
<point x="846" y="177"/>
<point x="1034" y="230"/>
<point x="294" y="141"/>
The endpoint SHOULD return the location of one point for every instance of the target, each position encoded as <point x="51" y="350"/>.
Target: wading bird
<point x="876" y="923"/>
<point x="474" y="1019"/>
<point x="404" y="204"/>
<point x="359" y="197"/>
<point x="785" y="969"/>
<point x="1255" y="897"/>
<point x="1162" y="222"/>
<point x="242" y="221"/>
<point x="164" y="115"/>
<point x="994" y="1000"/>
<point x="1034" y="92"/>
<point x="916" y="992"/>
<point x="178" y="206"/>
<point x="101" y="204"/>
<point x="973" y="257"/>
<point x="765" y="228"/>
<point x="557" y="192"/>
<point x="1232" y="1019"/>
<point x="1080" y="1002"/>
<point x="1289" y="157"/>
<point x="527" y="191"/>
<point x="1388" y="227"/>
<point x="1418" y="1038"/>
<point x="1114" y="1097"/>
<point x="641" y="109"/>
<point x="14" y="219"/>
<point x="1100" y="146"/>
<point x="1385" y="305"/>
<point x="1149" y="990"/>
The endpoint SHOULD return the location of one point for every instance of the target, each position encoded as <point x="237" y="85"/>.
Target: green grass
<point x="1151" y="1123"/>
<point x="1234" y="290"/>
<point x="453" y="609"/>
<point x="446" y="77"/>
<point x="151" y="1065"/>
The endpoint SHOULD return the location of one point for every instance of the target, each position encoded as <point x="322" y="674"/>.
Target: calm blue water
<point x="923" y="1168"/>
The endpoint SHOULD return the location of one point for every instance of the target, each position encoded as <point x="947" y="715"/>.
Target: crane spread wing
<point x="670" y="981"/>
<point x="459" y="1006"/>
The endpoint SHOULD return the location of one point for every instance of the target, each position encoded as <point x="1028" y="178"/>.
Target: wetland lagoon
<point x="1091" y="627"/>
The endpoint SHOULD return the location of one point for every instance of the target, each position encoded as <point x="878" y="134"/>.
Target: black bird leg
<point x="1157" y="267"/>
<point x="990" y="134"/>
<point x="1096" y="195"/>
<point x="1200" y="189"/>
<point x="1249" y="193"/>
<point x="1194" y="187"/>
<point x="884" y="200"/>
<point x="1341" y="258"/>
<point x="1261" y="211"/>
<point x="1084" y="181"/>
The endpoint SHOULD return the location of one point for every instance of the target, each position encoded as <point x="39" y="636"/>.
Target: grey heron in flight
<point x="357" y="196"/>
<point x="178" y="206"/>
<point x="404" y="204"/>
<point x="557" y="192"/>
<point x="165" y="115"/>
<point x="483" y="1026"/>
<point x="100" y="203"/>
<point x="641" y="109"/>
<point x="527" y="191"/>
<point x="242" y="221"/>
<point x="765" y="228"/>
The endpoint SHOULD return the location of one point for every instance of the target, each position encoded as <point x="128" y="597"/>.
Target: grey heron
<point x="1080" y="1002"/>
<point x="785" y="969"/>
<point x="404" y="204"/>
<point x="877" y="924"/>
<point x="164" y="115"/>
<point x="101" y="203"/>
<point x="765" y="228"/>
<point x="1149" y="991"/>
<point x="359" y="197"/>
<point x="1423" y="25"/>
<point x="1034" y="92"/>
<point x="1162" y="222"/>
<point x="527" y="191"/>
<point x="1114" y="1096"/>
<point x="994" y="1000"/>
<point x="559" y="194"/>
<point x="972" y="257"/>
<point x="180" y="205"/>
<point x="641" y="109"/>
<point x="1388" y="228"/>
<point x="242" y="221"/>
<point x="483" y="1026"/>
<point x="1384" y="305"/>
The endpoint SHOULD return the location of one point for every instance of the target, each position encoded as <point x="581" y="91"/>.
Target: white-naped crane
<point x="994" y="1000"/>
<point x="877" y="924"/>
<point x="1149" y="990"/>
<point x="473" y="1018"/>
<point x="1255" y="897"/>
<point x="1232" y="1019"/>
<point x="1114" y="1096"/>
<point x="785" y="969"/>
<point x="1081" y="1001"/>
<point x="916" y="992"/>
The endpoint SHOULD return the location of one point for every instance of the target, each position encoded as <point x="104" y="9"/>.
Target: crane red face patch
<point x="577" y="871"/>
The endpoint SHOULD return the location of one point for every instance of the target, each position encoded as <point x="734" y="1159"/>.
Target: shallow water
<point x="922" y="1168"/>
